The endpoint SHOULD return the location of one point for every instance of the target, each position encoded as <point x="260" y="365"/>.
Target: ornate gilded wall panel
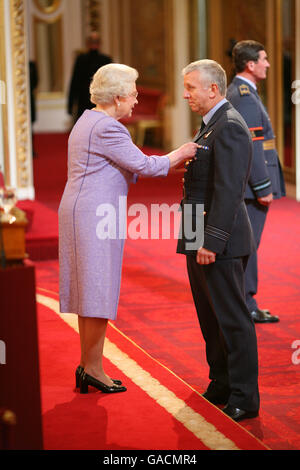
<point x="47" y="6"/>
<point x="20" y="81"/>
<point x="94" y="15"/>
<point x="3" y="100"/>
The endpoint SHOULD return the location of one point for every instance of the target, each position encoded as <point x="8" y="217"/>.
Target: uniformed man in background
<point x="266" y="180"/>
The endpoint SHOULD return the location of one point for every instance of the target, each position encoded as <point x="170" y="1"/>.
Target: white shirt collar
<point x="212" y="111"/>
<point x="248" y="81"/>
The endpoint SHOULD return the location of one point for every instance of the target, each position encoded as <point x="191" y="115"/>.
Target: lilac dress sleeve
<point x="116" y="144"/>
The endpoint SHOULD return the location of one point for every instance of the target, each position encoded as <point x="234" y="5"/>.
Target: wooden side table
<point x="19" y="361"/>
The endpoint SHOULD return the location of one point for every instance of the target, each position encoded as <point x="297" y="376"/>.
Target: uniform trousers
<point x="227" y="327"/>
<point x="257" y="215"/>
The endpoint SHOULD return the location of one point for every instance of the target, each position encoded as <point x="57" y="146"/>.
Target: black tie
<point x="202" y="126"/>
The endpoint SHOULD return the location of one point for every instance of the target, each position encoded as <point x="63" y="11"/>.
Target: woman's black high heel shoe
<point x="86" y="380"/>
<point x="78" y="373"/>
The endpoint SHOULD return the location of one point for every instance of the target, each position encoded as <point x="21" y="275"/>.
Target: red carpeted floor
<point x="159" y="411"/>
<point x="156" y="312"/>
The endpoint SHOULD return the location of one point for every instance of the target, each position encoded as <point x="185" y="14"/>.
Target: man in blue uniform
<point x="215" y="183"/>
<point x="266" y="180"/>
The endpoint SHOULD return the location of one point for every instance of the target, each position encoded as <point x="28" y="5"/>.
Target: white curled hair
<point x="110" y="81"/>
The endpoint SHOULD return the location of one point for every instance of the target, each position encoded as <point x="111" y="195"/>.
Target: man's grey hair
<point x="211" y="72"/>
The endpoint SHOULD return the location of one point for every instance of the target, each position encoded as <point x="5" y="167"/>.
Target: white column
<point x="73" y="38"/>
<point x="180" y="128"/>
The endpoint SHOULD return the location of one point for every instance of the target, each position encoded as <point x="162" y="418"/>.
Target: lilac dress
<point x="102" y="162"/>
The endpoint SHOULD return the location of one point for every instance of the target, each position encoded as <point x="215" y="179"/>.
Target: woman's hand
<point x="185" y="152"/>
<point x="188" y="150"/>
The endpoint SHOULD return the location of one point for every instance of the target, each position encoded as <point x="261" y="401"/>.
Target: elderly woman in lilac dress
<point x="102" y="162"/>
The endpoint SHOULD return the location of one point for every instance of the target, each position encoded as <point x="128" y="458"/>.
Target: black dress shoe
<point x="86" y="380"/>
<point x="79" y="371"/>
<point x="237" y="414"/>
<point x="263" y="316"/>
<point x="216" y="393"/>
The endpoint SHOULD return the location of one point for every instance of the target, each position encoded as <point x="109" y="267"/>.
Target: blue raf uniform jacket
<point x="266" y="174"/>
<point x="216" y="181"/>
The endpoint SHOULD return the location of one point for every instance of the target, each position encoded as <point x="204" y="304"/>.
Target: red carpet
<point x="49" y="174"/>
<point x="42" y="233"/>
<point x="156" y="312"/>
<point x="159" y="413"/>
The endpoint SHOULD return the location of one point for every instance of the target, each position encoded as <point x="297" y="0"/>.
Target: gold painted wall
<point x="151" y="42"/>
<point x="242" y="20"/>
<point x="264" y="21"/>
